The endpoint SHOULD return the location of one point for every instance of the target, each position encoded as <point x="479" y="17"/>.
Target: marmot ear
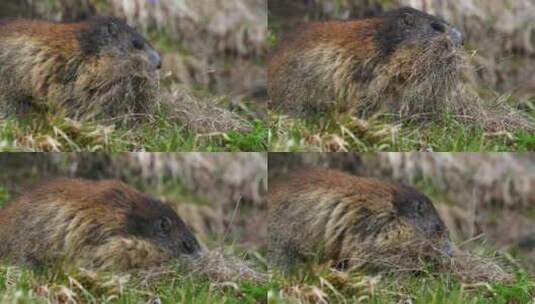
<point x="407" y="19"/>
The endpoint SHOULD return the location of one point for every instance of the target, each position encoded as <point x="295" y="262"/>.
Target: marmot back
<point x="97" y="68"/>
<point x="327" y="215"/>
<point x="397" y="61"/>
<point x="102" y="225"/>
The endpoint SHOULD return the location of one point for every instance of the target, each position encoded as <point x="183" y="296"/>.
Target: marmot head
<point x="156" y="222"/>
<point x="111" y="36"/>
<point x="422" y="61"/>
<point x="418" y="211"/>
<point x="411" y="27"/>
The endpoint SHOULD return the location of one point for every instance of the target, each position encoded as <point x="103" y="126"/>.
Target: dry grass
<point x="201" y="116"/>
<point x="218" y="267"/>
<point x="404" y="279"/>
<point x="86" y="286"/>
<point x="337" y="134"/>
<point x="420" y="256"/>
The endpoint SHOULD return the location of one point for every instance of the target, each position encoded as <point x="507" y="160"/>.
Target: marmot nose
<point x="456" y="36"/>
<point x="155" y="59"/>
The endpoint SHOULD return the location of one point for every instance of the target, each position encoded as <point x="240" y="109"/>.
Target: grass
<point x="313" y="286"/>
<point x="55" y="134"/>
<point x="346" y="133"/>
<point x="26" y="286"/>
<point x="328" y="286"/>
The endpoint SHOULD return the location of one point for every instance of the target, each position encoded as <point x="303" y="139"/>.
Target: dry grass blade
<point x="202" y="116"/>
<point x="221" y="268"/>
<point x="418" y="256"/>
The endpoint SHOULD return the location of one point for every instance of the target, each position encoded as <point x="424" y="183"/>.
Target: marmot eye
<point x="165" y="225"/>
<point x="138" y="44"/>
<point x="439" y="27"/>
<point x="420" y="207"/>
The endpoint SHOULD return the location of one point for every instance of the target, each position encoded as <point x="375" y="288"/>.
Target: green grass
<point x="4" y="196"/>
<point x="430" y="288"/>
<point x="345" y="133"/>
<point x="310" y="285"/>
<point x="27" y="286"/>
<point x="161" y="135"/>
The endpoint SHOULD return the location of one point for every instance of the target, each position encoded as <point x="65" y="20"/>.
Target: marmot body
<point x="397" y="61"/>
<point x="103" y="225"/>
<point x="327" y="215"/>
<point x="97" y="68"/>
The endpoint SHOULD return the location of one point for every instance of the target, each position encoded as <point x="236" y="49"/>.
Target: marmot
<point x="96" y="68"/>
<point x="326" y="215"/>
<point x="405" y="62"/>
<point x="100" y="225"/>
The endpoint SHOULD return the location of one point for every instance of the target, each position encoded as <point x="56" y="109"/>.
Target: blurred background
<point x="486" y="200"/>
<point x="500" y="34"/>
<point x="212" y="46"/>
<point x="219" y="195"/>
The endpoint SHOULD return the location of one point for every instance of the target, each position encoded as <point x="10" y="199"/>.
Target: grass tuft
<point x="343" y="132"/>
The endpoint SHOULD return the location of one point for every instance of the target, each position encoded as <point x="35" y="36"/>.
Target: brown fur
<point x="103" y="225"/>
<point x="86" y="70"/>
<point x="364" y="66"/>
<point x="332" y="216"/>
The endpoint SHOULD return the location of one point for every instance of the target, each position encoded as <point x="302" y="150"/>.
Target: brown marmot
<point x="96" y="68"/>
<point x="404" y="62"/>
<point x="325" y="215"/>
<point x="100" y="225"/>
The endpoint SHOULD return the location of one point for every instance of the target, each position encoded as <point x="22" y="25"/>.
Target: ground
<point x="55" y="134"/>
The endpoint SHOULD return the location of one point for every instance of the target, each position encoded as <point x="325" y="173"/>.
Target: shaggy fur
<point x="95" y="225"/>
<point x="402" y="61"/>
<point x="327" y="215"/>
<point x="93" y="69"/>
